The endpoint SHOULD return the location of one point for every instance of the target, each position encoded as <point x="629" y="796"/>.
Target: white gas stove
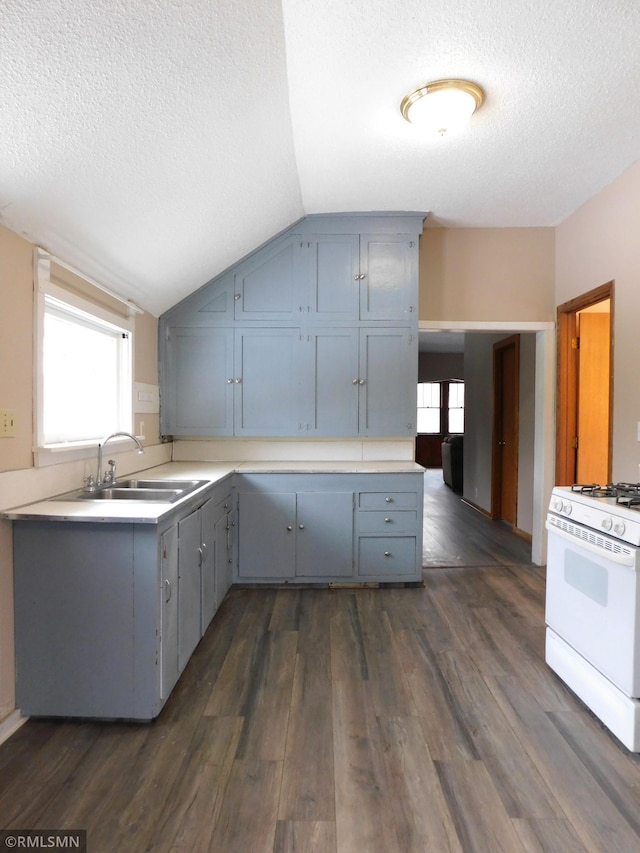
<point x="593" y="600"/>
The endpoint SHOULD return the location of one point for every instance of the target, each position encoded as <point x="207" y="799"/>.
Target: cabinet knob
<point x="301" y="526"/>
<point x="388" y="500"/>
<point x="229" y="381"/>
<point x="237" y="296"/>
<point x="238" y="381"/>
<point x="387" y="553"/>
<point x="387" y="520"/>
<point x="361" y="381"/>
<point x="289" y="527"/>
<point x="355" y="382"/>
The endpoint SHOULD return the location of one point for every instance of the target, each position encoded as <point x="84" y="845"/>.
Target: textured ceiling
<point x="153" y="143"/>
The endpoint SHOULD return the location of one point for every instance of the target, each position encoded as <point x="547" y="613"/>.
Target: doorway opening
<point x="585" y="388"/>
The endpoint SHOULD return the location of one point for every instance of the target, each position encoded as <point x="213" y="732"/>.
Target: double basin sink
<point x="163" y="491"/>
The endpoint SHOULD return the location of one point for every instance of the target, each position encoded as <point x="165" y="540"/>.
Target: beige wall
<point x="17" y="474"/>
<point x="16" y="345"/>
<point x="490" y="274"/>
<point x="596" y="244"/>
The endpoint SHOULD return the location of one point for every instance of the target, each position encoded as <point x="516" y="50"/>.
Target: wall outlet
<point x="7" y="423"/>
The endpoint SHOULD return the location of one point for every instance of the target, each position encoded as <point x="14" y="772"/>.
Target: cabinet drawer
<point x="389" y="523"/>
<point x="382" y="555"/>
<point x="386" y="500"/>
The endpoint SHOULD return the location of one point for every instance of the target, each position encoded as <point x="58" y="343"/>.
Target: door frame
<point x="567" y="380"/>
<point x="545" y="394"/>
<point x="498" y="396"/>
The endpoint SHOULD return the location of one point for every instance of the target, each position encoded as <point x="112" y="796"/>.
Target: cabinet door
<point x="197" y="395"/>
<point x="169" y="671"/>
<point x="209" y="592"/>
<point x="389" y="367"/>
<point x="189" y="585"/>
<point x="267" y="400"/>
<point x="389" y="283"/>
<point x="330" y="385"/>
<point x="324" y="534"/>
<point x="267" y="534"/>
<point x="332" y="266"/>
<point x="266" y="285"/>
<point x="222" y="547"/>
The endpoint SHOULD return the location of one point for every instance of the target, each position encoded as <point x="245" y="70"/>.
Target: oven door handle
<point x="626" y="557"/>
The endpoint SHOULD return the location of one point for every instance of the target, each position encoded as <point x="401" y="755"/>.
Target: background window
<point x="429" y="407"/>
<point x="440" y="407"/>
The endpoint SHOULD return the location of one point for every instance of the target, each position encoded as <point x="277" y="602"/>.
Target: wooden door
<point x="593" y="399"/>
<point x="573" y="394"/>
<point x="506" y="366"/>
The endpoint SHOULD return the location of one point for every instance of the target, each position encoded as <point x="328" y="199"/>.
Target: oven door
<point x="592" y="599"/>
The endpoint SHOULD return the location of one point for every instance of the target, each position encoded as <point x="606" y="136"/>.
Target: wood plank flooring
<point x="351" y="721"/>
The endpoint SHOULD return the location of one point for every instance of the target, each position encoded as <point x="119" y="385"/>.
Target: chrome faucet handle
<point x="89" y="483"/>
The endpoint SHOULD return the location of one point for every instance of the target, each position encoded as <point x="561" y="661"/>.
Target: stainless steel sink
<point x="183" y="485"/>
<point x="130" y="494"/>
<point x="158" y="491"/>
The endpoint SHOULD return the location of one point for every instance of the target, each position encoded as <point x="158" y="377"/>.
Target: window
<point x="84" y="370"/>
<point x="429" y="407"/>
<point x="440" y="407"/>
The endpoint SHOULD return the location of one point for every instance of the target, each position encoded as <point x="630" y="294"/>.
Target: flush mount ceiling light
<point x="443" y="105"/>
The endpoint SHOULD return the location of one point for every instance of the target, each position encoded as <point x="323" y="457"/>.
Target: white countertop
<point x="150" y="512"/>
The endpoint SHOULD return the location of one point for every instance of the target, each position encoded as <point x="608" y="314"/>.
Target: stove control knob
<point x="606" y="523"/>
<point x="619" y="528"/>
<point x="566" y="508"/>
<point x="556" y="504"/>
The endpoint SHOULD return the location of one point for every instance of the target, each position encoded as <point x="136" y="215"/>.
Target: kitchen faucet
<point x="109" y="476"/>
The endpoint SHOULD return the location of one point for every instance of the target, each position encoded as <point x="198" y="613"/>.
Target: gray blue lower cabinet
<point x="330" y="528"/>
<point x="107" y="615"/>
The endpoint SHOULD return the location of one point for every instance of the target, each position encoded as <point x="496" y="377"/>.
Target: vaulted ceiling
<point x="153" y="143"/>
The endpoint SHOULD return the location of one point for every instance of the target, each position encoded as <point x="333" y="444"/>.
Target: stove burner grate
<point x="611" y="490"/>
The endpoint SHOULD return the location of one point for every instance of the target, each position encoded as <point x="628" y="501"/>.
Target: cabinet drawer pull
<point x="387" y="520"/>
<point x="167" y="586"/>
<point x="388" y="500"/>
<point x="387" y="553"/>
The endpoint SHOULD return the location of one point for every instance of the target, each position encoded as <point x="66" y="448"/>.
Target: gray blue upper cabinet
<point x="313" y="334"/>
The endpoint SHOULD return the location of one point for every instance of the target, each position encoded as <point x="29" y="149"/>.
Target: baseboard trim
<point x="523" y="534"/>
<point x="11" y="724"/>
<point x="477" y="508"/>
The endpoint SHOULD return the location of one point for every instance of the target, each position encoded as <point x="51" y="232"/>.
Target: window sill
<point x="74" y="451"/>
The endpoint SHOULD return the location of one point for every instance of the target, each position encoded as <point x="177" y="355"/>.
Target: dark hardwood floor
<point x="352" y="720"/>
